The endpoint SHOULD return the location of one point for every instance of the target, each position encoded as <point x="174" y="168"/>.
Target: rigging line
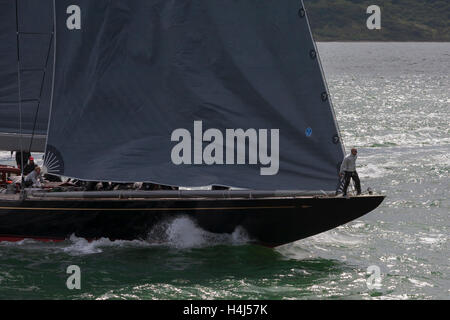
<point x="19" y="90"/>
<point x="53" y="78"/>
<point x="40" y="93"/>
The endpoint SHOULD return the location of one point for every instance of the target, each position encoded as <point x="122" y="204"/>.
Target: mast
<point x="46" y="164"/>
<point x="19" y="91"/>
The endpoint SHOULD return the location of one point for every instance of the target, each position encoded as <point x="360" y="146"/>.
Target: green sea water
<point x="392" y="102"/>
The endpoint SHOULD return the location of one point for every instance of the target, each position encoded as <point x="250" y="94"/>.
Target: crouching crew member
<point x="34" y="179"/>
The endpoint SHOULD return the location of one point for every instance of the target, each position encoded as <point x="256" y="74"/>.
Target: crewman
<point x="21" y="157"/>
<point x="34" y="179"/>
<point x="348" y="171"/>
<point x="30" y="166"/>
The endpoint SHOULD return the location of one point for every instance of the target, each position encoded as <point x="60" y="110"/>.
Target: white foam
<point x="334" y="237"/>
<point x="16" y="243"/>
<point x="420" y="284"/>
<point x="182" y="232"/>
<point x="81" y="246"/>
<point x="320" y="244"/>
<point x="373" y="170"/>
<point x="295" y="251"/>
<point x="433" y="239"/>
<point x="358" y="225"/>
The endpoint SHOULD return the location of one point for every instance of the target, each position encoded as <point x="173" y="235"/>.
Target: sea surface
<point x="392" y="102"/>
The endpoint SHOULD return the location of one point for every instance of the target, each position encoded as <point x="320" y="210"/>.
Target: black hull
<point x="270" y="222"/>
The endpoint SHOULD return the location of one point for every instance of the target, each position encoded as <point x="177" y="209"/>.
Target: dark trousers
<point x="352" y="175"/>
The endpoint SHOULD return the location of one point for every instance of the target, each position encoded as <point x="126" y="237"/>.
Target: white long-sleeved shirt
<point x="35" y="178"/>
<point x="349" y="163"/>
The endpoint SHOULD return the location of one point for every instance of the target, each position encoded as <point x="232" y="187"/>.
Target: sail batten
<point x="191" y="93"/>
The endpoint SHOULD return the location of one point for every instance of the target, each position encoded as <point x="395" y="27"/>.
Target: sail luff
<point x="341" y="140"/>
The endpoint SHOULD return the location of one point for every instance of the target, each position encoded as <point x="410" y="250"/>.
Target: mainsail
<point x="26" y="61"/>
<point x="191" y="93"/>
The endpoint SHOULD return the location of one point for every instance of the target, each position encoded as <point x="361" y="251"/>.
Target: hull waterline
<point x="271" y="222"/>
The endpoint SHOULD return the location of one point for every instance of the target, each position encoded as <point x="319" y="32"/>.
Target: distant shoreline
<point x="402" y="21"/>
<point x="378" y="41"/>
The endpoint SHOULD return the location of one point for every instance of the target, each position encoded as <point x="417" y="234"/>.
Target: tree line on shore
<point x="401" y="20"/>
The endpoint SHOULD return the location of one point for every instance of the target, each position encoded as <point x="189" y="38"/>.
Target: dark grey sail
<point x="191" y="93"/>
<point x="26" y="60"/>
